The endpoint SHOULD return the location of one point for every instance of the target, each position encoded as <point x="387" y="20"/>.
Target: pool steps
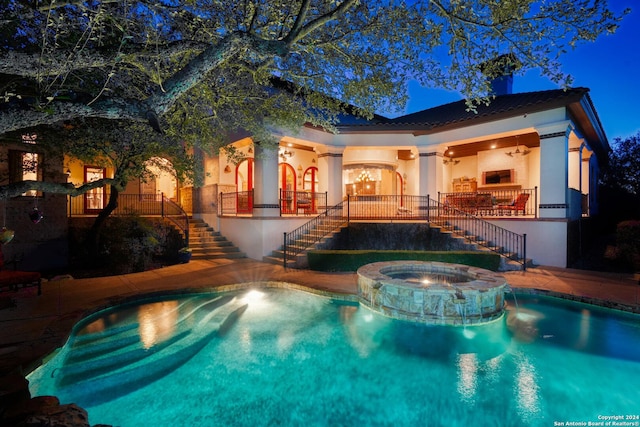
<point x="85" y="346"/>
<point x="94" y="379"/>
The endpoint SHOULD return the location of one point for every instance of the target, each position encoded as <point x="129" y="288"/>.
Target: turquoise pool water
<point x="286" y="357"/>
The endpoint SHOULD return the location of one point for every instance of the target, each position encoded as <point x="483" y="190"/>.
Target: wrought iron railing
<point x="235" y="203"/>
<point x="384" y="207"/>
<point x="476" y="230"/>
<point x="483" y="233"/>
<point x="128" y="204"/>
<point x="312" y="232"/>
<point x="305" y="202"/>
<point x="494" y="202"/>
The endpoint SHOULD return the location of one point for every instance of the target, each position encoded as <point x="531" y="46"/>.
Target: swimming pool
<point x="286" y="357"/>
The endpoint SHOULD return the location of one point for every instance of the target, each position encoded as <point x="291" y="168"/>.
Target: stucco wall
<point x="546" y="239"/>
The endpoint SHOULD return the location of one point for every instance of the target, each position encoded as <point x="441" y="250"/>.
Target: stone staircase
<point x="316" y="238"/>
<point x="474" y="243"/>
<point x="206" y="243"/>
<point x="320" y="237"/>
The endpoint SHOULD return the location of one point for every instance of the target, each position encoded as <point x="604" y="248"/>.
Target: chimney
<point x="499" y="73"/>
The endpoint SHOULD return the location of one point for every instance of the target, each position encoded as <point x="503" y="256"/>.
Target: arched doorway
<point x="244" y="186"/>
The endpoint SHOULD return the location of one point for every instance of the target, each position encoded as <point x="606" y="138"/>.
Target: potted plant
<point x="184" y="255"/>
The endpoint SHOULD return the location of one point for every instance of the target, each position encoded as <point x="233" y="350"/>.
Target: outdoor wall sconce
<point x="227" y="169"/>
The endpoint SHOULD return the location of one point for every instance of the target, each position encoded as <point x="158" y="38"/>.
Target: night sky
<point x="610" y="67"/>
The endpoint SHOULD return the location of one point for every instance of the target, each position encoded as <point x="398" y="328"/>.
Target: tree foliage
<point x="620" y="180"/>
<point x="623" y="169"/>
<point x="199" y="70"/>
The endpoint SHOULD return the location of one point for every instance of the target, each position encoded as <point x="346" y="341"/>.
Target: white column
<point x="330" y="173"/>
<point x="265" y="182"/>
<point x="430" y="174"/>
<point x="554" y="167"/>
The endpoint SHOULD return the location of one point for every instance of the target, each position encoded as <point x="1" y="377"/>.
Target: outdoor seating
<point x="15" y="279"/>
<point x="519" y="204"/>
<point x="472" y="203"/>
<point x="305" y="205"/>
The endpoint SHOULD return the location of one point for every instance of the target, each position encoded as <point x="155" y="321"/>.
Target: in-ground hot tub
<point x="432" y="292"/>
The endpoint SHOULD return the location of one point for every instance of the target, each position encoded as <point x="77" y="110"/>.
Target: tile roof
<point x="456" y="114"/>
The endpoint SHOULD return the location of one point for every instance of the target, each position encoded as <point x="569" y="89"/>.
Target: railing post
<point x="162" y="205"/>
<point x="524" y="252"/>
<point x="429" y="207"/>
<point x="535" y="205"/>
<point x="284" y="251"/>
<point x="348" y="208"/>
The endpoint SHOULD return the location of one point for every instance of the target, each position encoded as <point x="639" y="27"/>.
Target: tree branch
<point x="33" y="65"/>
<point x="301" y="31"/>
<point x="18" y="188"/>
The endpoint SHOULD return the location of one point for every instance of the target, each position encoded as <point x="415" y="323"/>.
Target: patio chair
<point x="15" y="279"/>
<point x="519" y="204"/>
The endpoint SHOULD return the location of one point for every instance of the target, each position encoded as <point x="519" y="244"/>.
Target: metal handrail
<point x="310" y="233"/>
<point x="474" y="229"/>
<point x="174" y="213"/>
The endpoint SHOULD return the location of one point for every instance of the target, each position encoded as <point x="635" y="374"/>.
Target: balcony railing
<point x="235" y="203"/>
<point x="302" y="202"/>
<point x="139" y="204"/>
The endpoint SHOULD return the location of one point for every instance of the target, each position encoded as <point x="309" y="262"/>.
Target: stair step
<point x="206" y="243"/>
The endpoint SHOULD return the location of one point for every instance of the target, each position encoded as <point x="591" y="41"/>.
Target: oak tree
<point x="196" y="71"/>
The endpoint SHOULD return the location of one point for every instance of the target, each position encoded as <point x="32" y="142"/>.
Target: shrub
<point x="351" y="260"/>
<point x="127" y="244"/>
<point x="628" y="242"/>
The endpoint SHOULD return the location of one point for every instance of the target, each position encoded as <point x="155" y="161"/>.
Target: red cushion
<point x="8" y="277"/>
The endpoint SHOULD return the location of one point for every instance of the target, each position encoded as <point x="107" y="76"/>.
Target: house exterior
<point x="527" y="162"/>
<point x="543" y="146"/>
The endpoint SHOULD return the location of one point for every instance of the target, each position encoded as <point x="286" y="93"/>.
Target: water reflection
<point x="527" y="389"/>
<point x="157" y="322"/>
<point x="467" y="375"/>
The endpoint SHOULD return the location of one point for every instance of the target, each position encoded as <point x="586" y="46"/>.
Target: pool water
<point x="286" y="357"/>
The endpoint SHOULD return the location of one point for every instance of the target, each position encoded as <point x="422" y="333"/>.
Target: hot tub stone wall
<point x="479" y="300"/>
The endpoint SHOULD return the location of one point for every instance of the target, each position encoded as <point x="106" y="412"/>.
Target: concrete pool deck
<point x="37" y="325"/>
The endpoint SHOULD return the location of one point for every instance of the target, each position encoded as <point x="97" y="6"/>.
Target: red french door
<point x="244" y="186"/>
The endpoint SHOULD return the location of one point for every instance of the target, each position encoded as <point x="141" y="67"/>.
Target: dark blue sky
<point x="610" y="67"/>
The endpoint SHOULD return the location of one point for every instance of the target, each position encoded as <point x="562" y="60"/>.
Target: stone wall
<point x="385" y="236"/>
